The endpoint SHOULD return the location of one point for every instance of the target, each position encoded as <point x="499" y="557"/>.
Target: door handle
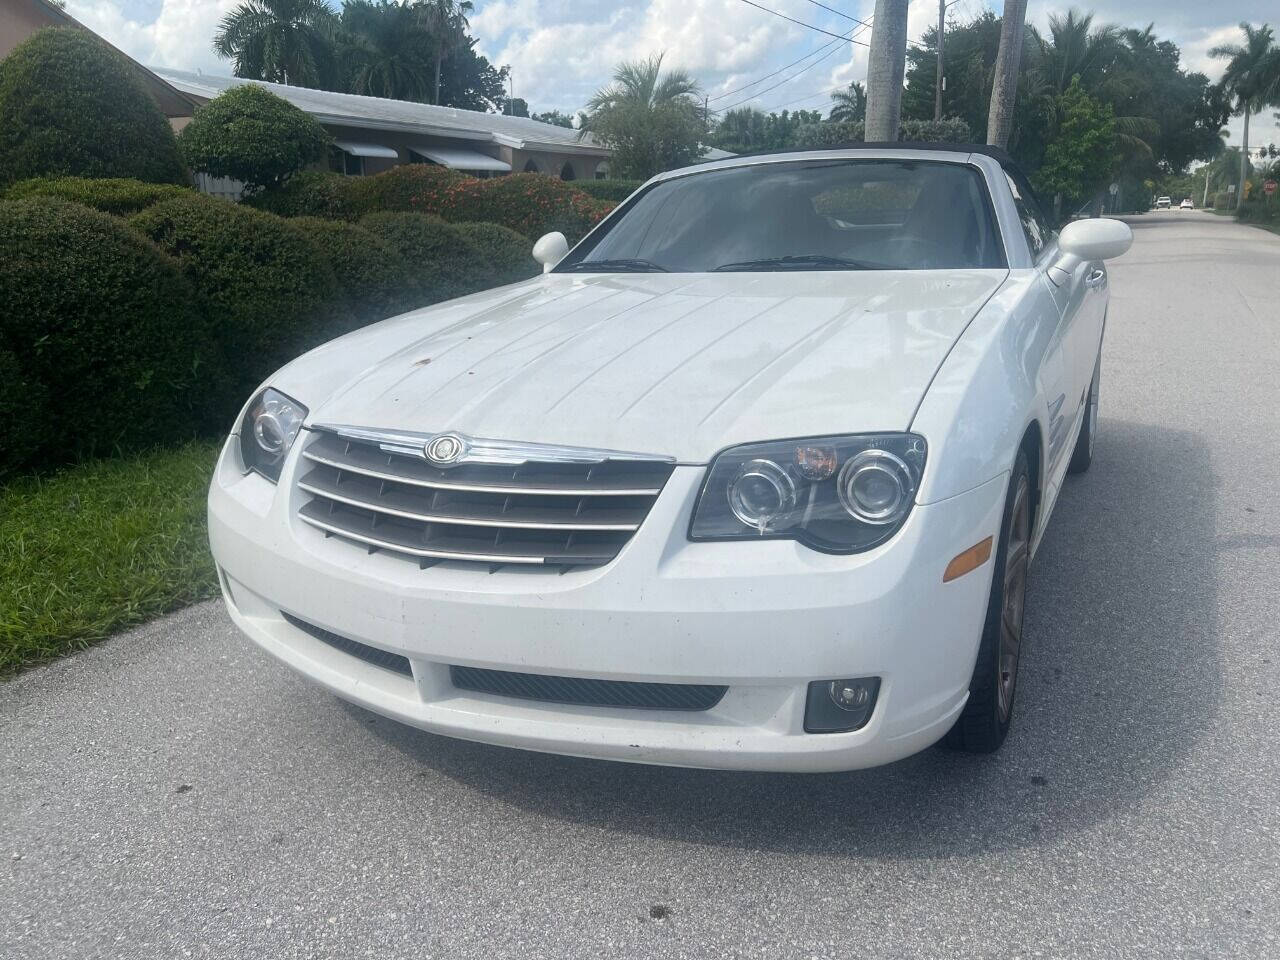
<point x="1095" y="278"/>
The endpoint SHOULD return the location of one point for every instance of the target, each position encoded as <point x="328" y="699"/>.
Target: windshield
<point x="802" y="215"/>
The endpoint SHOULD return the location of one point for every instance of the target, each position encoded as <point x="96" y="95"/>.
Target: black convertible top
<point x="996" y="154"/>
<point x="1000" y="156"/>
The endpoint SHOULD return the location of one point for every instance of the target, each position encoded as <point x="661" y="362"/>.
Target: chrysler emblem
<point x="445" y="450"/>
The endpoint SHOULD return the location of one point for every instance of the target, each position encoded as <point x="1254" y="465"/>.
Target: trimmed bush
<point x="374" y="279"/>
<point x="614" y="191"/>
<point x="403" y="188"/>
<point x="72" y="106"/>
<point x="507" y="254"/>
<point x="1223" y="200"/>
<point x="445" y="262"/>
<point x="21" y="431"/>
<point x="266" y="286"/>
<point x="529" y="203"/>
<point x="107" y="328"/>
<point x="819" y="135"/>
<point x="313" y="193"/>
<point x="249" y="134"/>
<point x="115" y="196"/>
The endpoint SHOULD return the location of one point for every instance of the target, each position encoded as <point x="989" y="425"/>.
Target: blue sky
<point x="560" y="51"/>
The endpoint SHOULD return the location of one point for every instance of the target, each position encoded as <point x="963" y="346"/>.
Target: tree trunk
<point x="1244" y="160"/>
<point x="886" y="66"/>
<point x="1004" y="89"/>
<point x="436" y="96"/>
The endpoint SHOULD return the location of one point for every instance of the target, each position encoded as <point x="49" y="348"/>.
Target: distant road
<point x="176" y="793"/>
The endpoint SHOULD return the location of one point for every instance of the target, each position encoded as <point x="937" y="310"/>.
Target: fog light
<point x="838" y="706"/>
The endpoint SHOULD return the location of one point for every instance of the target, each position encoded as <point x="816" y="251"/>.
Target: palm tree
<point x="286" y="41"/>
<point x="1252" y="78"/>
<point x="886" y="65"/>
<point x="1004" y="86"/>
<point x="386" y="50"/>
<point x="446" y="23"/>
<point x="849" y="106"/>
<point x="1075" y="49"/>
<point x="642" y="83"/>
<point x="651" y="120"/>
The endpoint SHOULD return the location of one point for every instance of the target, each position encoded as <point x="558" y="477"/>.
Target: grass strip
<point x="101" y="546"/>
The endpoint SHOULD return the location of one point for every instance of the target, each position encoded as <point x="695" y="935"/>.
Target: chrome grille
<point x="563" y="513"/>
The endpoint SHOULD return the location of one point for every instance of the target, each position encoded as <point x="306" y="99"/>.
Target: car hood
<point x="679" y="365"/>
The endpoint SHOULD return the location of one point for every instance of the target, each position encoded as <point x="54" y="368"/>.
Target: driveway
<point x="175" y="793"/>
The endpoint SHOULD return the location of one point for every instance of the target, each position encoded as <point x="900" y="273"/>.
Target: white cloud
<point x="180" y="36"/>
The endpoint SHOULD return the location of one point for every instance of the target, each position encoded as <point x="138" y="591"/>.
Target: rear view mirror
<point x="550" y="250"/>
<point x="1082" y="241"/>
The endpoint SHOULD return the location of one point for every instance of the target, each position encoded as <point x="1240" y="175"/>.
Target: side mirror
<point x="1082" y="241"/>
<point x="551" y="249"/>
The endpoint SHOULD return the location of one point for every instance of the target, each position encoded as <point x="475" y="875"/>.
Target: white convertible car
<point x="750" y="478"/>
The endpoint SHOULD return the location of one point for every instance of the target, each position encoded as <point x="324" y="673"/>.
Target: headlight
<point x="268" y="430"/>
<point x="835" y="494"/>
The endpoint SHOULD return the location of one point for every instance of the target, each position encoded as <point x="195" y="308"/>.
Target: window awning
<point x="460" y="159"/>
<point x="365" y="149"/>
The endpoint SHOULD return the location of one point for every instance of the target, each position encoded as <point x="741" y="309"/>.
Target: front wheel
<point x="984" y="723"/>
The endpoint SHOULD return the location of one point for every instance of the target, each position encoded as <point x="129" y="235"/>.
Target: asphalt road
<point x="175" y="793"/>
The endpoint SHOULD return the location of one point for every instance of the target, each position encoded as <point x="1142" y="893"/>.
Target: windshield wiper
<point x="811" y="261"/>
<point x="629" y="265"/>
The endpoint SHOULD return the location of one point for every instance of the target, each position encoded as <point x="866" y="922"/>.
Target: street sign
<point x="1269" y="187"/>
<point x="1231" y="188"/>
<point x="1114" y="189"/>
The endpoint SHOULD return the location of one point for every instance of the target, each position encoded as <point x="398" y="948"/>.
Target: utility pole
<point x="706" y="102"/>
<point x="942" y="29"/>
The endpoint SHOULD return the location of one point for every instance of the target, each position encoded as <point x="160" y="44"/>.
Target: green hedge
<point x="1260" y="211"/>
<point x="402" y="188"/>
<point x="613" y="190"/>
<point x="820" y="135"/>
<point x="117" y="196"/>
<point x="72" y="106"/>
<point x="529" y="203"/>
<point x="22" y="433"/>
<point x="266" y="285"/>
<point x="374" y="281"/>
<point x="312" y="193"/>
<point x="113" y="347"/>
<point x="445" y="262"/>
<point x="507" y="255"/>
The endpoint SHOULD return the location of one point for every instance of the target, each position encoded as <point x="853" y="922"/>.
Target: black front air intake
<point x="586" y="692"/>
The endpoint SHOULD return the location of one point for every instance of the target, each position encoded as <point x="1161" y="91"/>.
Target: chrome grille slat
<point x="554" y="513"/>
<point x="374" y="463"/>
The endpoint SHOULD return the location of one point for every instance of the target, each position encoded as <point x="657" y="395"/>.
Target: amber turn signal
<point x="971" y="559"/>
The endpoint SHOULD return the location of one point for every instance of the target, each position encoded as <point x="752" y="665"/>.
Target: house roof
<point x="379" y="113"/>
<point x="172" y="103"/>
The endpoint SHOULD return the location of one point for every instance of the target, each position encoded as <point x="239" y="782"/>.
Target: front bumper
<point x="763" y="618"/>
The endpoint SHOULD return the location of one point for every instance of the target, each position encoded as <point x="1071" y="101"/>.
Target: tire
<point x="1082" y="455"/>
<point x="985" y="720"/>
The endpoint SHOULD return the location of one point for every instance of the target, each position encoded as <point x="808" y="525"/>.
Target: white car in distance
<point x="752" y="477"/>
<point x="1163" y="203"/>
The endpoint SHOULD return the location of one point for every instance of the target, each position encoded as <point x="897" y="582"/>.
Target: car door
<point x="1060" y="375"/>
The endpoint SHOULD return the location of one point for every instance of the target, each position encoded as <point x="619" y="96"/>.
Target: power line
<point x="729" y="93"/>
<point x="839" y="13"/>
<point x="779" y="83"/>
<point x="801" y="23"/>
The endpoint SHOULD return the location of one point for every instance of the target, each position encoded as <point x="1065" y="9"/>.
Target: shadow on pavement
<point x="1121" y="678"/>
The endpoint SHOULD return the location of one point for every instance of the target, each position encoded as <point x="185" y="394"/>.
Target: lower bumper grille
<point x="586" y="692"/>
<point x="379" y="658"/>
